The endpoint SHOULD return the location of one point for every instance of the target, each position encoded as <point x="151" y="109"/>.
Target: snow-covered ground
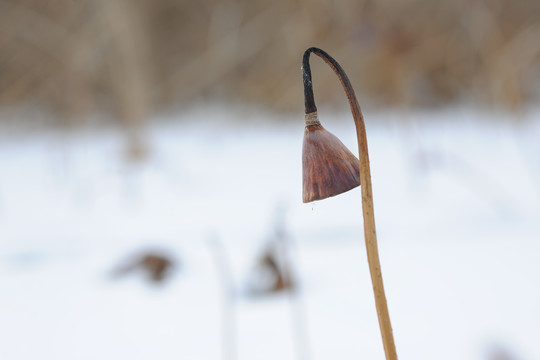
<point x="457" y="206"/>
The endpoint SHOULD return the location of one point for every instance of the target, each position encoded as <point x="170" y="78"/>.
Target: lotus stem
<point x="228" y="299"/>
<point x="367" y="196"/>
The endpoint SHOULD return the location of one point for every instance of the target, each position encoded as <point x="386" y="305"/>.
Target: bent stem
<point x="367" y="196"/>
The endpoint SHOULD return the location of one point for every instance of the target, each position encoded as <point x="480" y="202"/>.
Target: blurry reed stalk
<point x="298" y="312"/>
<point x="128" y="72"/>
<point x="228" y="324"/>
<point x="329" y="169"/>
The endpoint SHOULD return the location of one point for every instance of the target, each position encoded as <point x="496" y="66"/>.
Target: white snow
<point x="457" y="206"/>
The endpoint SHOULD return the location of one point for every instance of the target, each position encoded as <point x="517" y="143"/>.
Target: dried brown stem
<point x="367" y="196"/>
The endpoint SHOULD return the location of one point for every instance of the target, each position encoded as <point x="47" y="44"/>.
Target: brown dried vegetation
<point x="128" y="57"/>
<point x="156" y="266"/>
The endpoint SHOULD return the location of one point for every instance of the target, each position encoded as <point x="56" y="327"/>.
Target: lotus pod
<point x="328" y="167"/>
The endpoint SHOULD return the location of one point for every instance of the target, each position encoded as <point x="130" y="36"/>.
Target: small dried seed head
<point x="328" y="167"/>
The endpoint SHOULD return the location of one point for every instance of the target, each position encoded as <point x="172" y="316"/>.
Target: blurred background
<point x="131" y="58"/>
<point x="150" y="198"/>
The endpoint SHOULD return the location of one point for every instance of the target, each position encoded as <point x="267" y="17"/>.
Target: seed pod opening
<point x="328" y="167"/>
